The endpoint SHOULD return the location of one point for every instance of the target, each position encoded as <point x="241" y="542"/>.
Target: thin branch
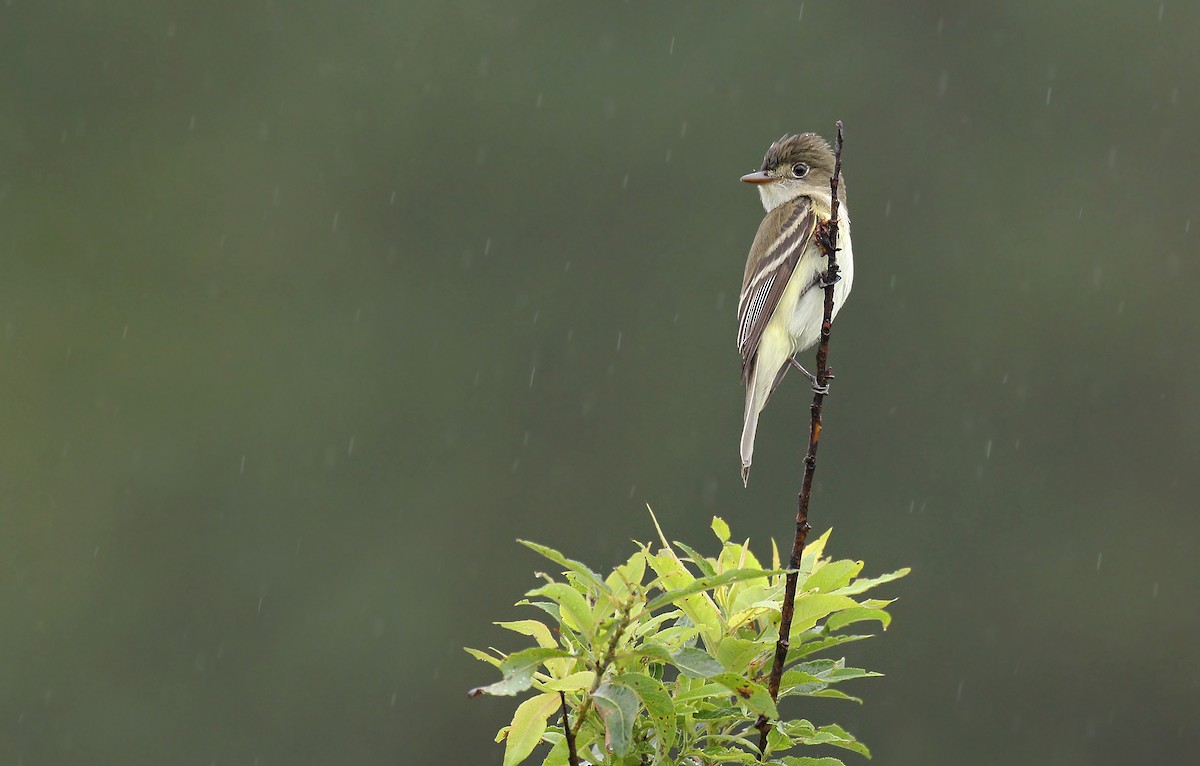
<point x="604" y="665"/>
<point x="572" y="756"/>
<point x="827" y="237"/>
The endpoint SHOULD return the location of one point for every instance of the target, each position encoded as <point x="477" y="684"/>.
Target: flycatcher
<point x="782" y="302"/>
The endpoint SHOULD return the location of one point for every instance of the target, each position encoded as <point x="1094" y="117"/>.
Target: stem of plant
<point x="763" y="724"/>
<point x="572" y="756"/>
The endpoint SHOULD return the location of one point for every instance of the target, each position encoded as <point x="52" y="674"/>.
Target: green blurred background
<point x="309" y="310"/>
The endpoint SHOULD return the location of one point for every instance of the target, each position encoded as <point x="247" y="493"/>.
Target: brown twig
<point x="603" y="665"/>
<point x="572" y="756"/>
<point x="828" y="242"/>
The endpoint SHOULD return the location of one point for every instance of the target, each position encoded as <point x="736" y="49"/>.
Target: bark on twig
<point x="828" y="239"/>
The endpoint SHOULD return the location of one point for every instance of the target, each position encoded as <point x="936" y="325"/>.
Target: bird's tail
<point x="750" y="427"/>
<point x="770" y="364"/>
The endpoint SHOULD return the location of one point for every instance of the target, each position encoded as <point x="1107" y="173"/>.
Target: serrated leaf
<point x="729" y="755"/>
<point x="829" y="577"/>
<point x="657" y="701"/>
<point x="618" y="706"/>
<point x="791" y="760"/>
<point x="754" y="696"/>
<point x="858" y="614"/>
<point x="576" y="614"/>
<point x="528" y="725"/>
<point x="720" y="528"/>
<point x="577" y="567"/>
<point x="864" y="584"/>
<point x="518" y="669"/>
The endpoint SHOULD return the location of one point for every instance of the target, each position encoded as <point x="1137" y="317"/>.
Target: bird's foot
<point x="825" y="237"/>
<point x="817" y="387"/>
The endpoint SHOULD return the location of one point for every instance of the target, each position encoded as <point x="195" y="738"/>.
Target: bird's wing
<point x="782" y="238"/>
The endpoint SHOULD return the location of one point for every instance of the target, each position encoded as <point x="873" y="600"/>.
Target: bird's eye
<point x="799" y="170"/>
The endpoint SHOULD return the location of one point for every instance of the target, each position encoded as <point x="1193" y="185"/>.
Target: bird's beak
<point x="758" y="177"/>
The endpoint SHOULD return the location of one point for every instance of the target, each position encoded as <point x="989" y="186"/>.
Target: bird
<point x="781" y="306"/>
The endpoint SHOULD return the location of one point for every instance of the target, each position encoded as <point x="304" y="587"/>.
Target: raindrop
<point x="538" y="105"/>
<point x="887" y="209"/>
<point x="242" y="469"/>
<point x="943" y="83"/>
<point x="1112" y="157"/>
<point x="683" y="129"/>
<point x="487" y="246"/>
<point x="1154" y="591"/>
<point x="125" y="332"/>
<point x="1049" y="90"/>
<point x="987" y="450"/>
<point x="392" y="200"/>
<point x="892" y="283"/>
<point x="350" y="447"/>
<point x="1099" y="559"/>
<point x="619" y="336"/>
<point x="632" y="489"/>
<point x="536" y="314"/>
<point x="1161" y="8"/>
<point x="532" y="373"/>
<point x="941" y="24"/>
<point x="671" y="48"/>
<point x="801" y="16"/>
<point x="484" y="65"/>
<point x="958" y="694"/>
<point x="525" y="441"/>
<point x="192" y="123"/>
<point x="625" y="182"/>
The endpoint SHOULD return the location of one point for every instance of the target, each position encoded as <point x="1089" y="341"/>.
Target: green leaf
<point x="537" y="630"/>
<point x="483" y="656"/>
<point x="801" y="650"/>
<point x="833" y="575"/>
<point x="704" y="565"/>
<point x="699" y="607"/>
<point x="618" y="706"/>
<point x="859" y="614"/>
<point x="735" y="654"/>
<point x="812" y="607"/>
<point x="721" y="529"/>
<point x="628" y="574"/>
<point x="754" y="696"/>
<point x="695" y="663"/>
<point x="864" y="584"/>
<point x="657" y="702"/>
<point x="575" y="610"/>
<point x="812" y="553"/>
<point x="834" y="735"/>
<point x="705" y="583"/>
<point x="577" y="567"/>
<point x="791" y="760"/>
<point x="527" y="727"/>
<point x="518" y="669"/>
<point x="574" y="682"/>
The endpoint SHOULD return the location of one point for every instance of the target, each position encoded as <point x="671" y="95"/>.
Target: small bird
<point x="781" y="307"/>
